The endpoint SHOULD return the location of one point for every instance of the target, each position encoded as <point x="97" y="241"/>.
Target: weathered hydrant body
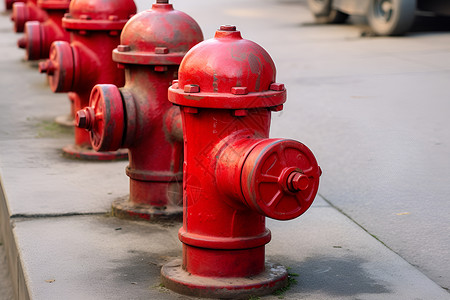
<point x="40" y="35"/>
<point x="140" y="117"/>
<point x="95" y="27"/>
<point x="23" y="12"/>
<point x="234" y="175"/>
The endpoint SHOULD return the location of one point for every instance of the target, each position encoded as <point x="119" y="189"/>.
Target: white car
<point x="385" y="17"/>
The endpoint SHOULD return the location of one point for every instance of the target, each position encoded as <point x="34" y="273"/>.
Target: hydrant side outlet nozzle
<point x="22" y="43"/>
<point x="85" y="118"/>
<point x="108" y="114"/>
<point x="60" y="67"/>
<point x="280" y="178"/>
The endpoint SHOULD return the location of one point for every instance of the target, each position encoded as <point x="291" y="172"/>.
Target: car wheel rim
<point x="383" y="9"/>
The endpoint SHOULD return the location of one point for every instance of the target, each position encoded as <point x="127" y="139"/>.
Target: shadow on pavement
<point x="335" y="276"/>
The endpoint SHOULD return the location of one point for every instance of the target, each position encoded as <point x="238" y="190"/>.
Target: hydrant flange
<point x="274" y="277"/>
<point x="104" y="118"/>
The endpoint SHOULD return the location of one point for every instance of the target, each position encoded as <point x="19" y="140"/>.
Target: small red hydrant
<point x="95" y="27"/>
<point x="140" y="117"/>
<point x="23" y="12"/>
<point x="234" y="175"/>
<point x="40" y="35"/>
<point x="9" y="3"/>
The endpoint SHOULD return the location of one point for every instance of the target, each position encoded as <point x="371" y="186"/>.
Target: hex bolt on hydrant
<point x="40" y="35"/>
<point x="234" y="175"/>
<point x="140" y="117"/>
<point x="23" y="12"/>
<point x="95" y="27"/>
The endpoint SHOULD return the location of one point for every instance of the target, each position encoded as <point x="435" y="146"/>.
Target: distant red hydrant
<point x="9" y="3"/>
<point x="40" y="35"/>
<point x="234" y="175"/>
<point x="26" y="11"/>
<point x="95" y="27"/>
<point x="140" y="117"/>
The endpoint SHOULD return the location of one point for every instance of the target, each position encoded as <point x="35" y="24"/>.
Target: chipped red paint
<point x="234" y="175"/>
<point x="76" y="67"/>
<point x="139" y="116"/>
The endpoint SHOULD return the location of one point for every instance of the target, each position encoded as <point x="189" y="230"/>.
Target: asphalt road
<point x="374" y="110"/>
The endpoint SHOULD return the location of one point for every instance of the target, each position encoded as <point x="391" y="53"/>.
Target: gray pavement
<point x="373" y="110"/>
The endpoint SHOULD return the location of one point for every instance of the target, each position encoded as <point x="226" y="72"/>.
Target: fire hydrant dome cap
<point x="227" y="72"/>
<point x="98" y="15"/>
<point x="158" y="36"/>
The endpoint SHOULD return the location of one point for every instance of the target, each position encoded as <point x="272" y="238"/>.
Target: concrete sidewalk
<point x="61" y="244"/>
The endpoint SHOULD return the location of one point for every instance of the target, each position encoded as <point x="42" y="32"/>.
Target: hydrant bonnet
<point x="158" y="36"/>
<point x="244" y="81"/>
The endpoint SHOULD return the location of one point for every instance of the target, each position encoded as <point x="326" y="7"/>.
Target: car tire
<point x="391" y="17"/>
<point x="324" y="13"/>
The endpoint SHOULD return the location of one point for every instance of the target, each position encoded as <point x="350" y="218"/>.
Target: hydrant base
<point x="65" y="120"/>
<point x="123" y="208"/>
<point x="175" y="278"/>
<point x="84" y="153"/>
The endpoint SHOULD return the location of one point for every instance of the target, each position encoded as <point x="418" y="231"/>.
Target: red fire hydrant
<point x="95" y="27"/>
<point x="140" y="117"/>
<point x="39" y="36"/>
<point x="234" y="175"/>
<point x="9" y="3"/>
<point x="26" y="11"/>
